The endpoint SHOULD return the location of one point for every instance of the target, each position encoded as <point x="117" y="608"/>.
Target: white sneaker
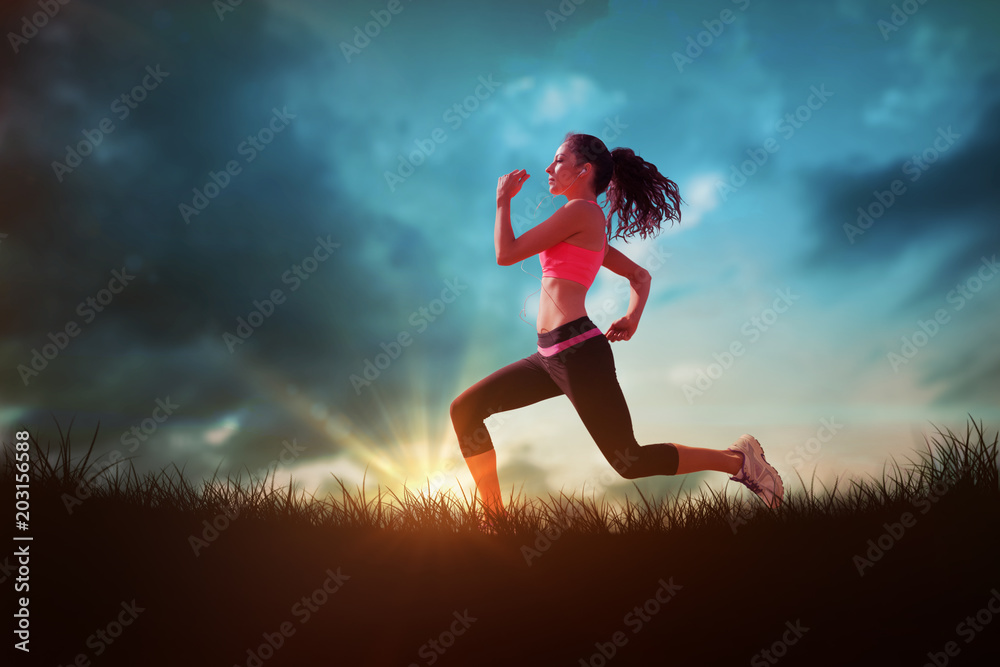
<point x="757" y="474"/>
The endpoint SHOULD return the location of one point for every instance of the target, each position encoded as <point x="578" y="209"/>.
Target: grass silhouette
<point x="877" y="568"/>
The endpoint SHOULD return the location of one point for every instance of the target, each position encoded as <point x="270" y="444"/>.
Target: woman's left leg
<point x="516" y="385"/>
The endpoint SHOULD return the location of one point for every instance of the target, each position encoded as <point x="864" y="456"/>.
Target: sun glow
<point x="408" y="451"/>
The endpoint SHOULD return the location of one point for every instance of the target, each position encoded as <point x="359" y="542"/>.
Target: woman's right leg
<point x="587" y="373"/>
<point x="514" y="386"/>
<point x="695" y="459"/>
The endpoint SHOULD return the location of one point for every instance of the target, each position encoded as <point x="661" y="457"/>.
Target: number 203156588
<point x="22" y="467"/>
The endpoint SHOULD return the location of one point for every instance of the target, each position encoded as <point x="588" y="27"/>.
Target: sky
<point x="258" y="236"/>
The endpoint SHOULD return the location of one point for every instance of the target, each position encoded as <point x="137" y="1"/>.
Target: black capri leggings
<point x="574" y="359"/>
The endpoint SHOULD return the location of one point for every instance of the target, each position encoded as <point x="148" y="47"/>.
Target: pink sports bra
<point x="565" y="260"/>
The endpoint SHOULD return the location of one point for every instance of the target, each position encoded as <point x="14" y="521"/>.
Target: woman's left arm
<point x="639" y="280"/>
<point x="559" y="226"/>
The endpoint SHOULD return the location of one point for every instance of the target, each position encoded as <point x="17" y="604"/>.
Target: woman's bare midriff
<point x="561" y="301"/>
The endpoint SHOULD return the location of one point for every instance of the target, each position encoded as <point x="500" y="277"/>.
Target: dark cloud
<point x="952" y="202"/>
<point x="954" y="198"/>
<point x="118" y="211"/>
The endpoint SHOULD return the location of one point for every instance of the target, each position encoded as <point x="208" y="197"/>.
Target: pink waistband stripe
<point x="569" y="342"/>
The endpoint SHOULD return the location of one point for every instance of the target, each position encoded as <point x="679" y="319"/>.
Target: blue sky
<point x="345" y="201"/>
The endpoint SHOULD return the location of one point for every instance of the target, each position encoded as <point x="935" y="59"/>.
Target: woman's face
<point x="563" y="171"/>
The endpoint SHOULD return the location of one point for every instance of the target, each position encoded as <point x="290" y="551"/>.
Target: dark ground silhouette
<point x="892" y="586"/>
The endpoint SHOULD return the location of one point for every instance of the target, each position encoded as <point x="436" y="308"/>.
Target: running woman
<point x="573" y="356"/>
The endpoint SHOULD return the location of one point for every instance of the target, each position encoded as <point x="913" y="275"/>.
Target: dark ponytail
<point x="641" y="196"/>
<point x="637" y="192"/>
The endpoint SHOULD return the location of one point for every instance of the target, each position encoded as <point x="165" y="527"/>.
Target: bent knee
<point x="644" y="461"/>
<point x="460" y="409"/>
<point x="625" y="461"/>
<point x="468" y="409"/>
<point x="629" y="473"/>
